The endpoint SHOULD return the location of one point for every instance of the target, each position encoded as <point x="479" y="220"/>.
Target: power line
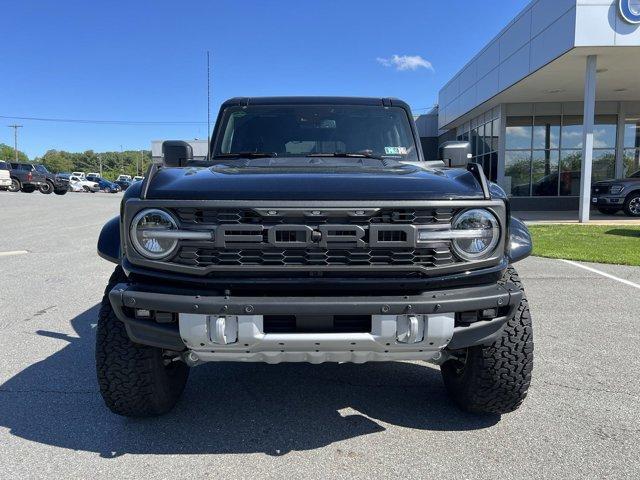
<point x="101" y="122"/>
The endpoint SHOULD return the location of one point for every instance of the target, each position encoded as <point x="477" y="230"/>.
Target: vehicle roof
<point x="314" y="100"/>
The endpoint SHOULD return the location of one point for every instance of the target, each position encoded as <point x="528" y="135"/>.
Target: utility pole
<point x="100" y="160"/>
<point x="121" y="160"/>
<point x="141" y="163"/>
<point x="15" y="139"/>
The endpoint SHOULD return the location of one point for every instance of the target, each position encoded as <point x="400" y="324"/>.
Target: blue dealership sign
<point x="628" y="13"/>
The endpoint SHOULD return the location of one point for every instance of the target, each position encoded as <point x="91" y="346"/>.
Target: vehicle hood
<point x="619" y="181"/>
<point x="313" y="179"/>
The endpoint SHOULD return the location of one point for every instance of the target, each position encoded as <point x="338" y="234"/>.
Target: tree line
<point x="128" y="162"/>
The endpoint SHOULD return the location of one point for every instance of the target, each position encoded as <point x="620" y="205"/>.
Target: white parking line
<point x="604" y="274"/>
<point x="16" y="252"/>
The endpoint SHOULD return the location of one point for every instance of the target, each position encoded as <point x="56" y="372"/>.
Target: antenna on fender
<point x="208" y="108"/>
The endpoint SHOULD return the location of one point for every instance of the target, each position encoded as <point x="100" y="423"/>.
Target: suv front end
<point x="315" y="258"/>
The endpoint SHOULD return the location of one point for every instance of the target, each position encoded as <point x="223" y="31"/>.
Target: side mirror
<point x="176" y="153"/>
<point x="456" y="153"/>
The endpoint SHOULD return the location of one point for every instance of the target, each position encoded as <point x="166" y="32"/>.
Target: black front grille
<point x="249" y="216"/>
<point x="207" y="257"/>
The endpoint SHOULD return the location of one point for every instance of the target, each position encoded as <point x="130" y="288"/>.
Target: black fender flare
<point x="109" y="241"/>
<point x="520" y="242"/>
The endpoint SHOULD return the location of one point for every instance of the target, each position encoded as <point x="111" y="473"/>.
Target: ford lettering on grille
<point x="323" y="236"/>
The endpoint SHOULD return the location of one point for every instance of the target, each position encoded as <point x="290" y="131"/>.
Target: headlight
<point x="475" y="234"/>
<point x="615" y="189"/>
<point x="149" y="233"/>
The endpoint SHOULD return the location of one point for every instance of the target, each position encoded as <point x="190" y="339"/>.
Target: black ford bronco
<point x="314" y="232"/>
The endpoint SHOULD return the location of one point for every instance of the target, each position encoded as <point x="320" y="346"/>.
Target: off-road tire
<point x="15" y="185"/>
<point x="60" y="191"/>
<point x="631" y="205"/>
<point x="134" y="380"/>
<point x="28" y="189"/>
<point x="47" y="188"/>
<point x="495" y="379"/>
<point x="608" y="211"/>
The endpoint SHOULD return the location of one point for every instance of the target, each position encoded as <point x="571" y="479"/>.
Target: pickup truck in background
<point x="5" y="175"/>
<point x="27" y="177"/>
<point x="54" y="183"/>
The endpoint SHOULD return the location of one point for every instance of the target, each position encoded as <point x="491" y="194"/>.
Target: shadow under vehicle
<point x="286" y="407"/>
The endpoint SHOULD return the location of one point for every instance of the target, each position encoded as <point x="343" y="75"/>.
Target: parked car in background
<point x="5" y="176"/>
<point x="123" y="178"/>
<point x="25" y="178"/>
<point x="138" y="178"/>
<point x="55" y="184"/>
<point x="82" y="182"/>
<point x="611" y="196"/>
<point x="93" y="174"/>
<point x="105" y="185"/>
<point x="82" y="175"/>
<point x="123" y="184"/>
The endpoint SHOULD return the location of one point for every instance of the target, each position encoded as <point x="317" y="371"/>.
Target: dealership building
<point x="551" y="104"/>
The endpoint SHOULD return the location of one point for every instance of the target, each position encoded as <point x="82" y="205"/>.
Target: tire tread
<point x="132" y="378"/>
<point x="497" y="377"/>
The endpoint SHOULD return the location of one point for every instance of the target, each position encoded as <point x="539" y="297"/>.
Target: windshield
<point x="635" y="175"/>
<point x="316" y="130"/>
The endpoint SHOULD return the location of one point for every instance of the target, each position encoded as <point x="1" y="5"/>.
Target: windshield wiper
<point x="247" y="155"/>
<point x="346" y="155"/>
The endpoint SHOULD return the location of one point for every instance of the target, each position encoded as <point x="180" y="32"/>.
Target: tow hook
<point x="191" y="358"/>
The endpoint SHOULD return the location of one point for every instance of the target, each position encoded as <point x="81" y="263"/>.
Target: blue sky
<point x="145" y="60"/>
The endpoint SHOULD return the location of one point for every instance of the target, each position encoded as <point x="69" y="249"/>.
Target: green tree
<point x="7" y="153"/>
<point x="130" y="162"/>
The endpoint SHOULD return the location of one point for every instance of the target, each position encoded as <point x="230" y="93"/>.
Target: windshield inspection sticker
<point x="395" y="150"/>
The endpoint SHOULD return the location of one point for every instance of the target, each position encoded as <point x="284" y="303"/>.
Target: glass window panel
<point x="486" y="165"/>
<point x="519" y="131"/>
<point x="604" y="131"/>
<point x="517" y="172"/>
<point x="546" y="132"/>
<point x="572" y="131"/>
<point x="632" y="133"/>
<point x="631" y="161"/>
<point x="494" y="167"/>
<point x="604" y="165"/>
<point x="570" y="166"/>
<point x="496" y="134"/>
<point x="544" y="173"/>
<point x="474" y="141"/>
<point x="487" y="138"/>
<point x="465" y="137"/>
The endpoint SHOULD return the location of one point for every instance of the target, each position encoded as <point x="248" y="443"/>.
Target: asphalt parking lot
<point x="581" y="419"/>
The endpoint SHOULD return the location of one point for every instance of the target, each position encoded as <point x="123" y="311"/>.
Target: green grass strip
<point x="588" y="243"/>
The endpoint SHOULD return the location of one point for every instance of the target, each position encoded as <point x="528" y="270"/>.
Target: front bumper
<point x="5" y="182"/>
<point x="439" y="311"/>
<point x="607" y="201"/>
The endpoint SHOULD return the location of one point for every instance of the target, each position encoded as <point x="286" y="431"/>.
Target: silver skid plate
<point x="241" y="338"/>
